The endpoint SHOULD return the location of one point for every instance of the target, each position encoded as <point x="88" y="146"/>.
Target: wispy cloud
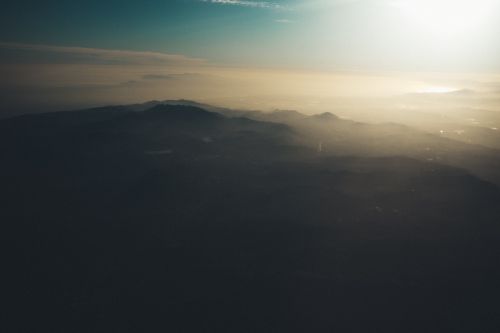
<point x="246" y="3"/>
<point x="284" y="21"/>
<point x="172" y="76"/>
<point x="321" y="4"/>
<point x="102" y="56"/>
<point x="297" y="5"/>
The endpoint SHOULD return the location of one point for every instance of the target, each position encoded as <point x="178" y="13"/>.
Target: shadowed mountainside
<point x="173" y="218"/>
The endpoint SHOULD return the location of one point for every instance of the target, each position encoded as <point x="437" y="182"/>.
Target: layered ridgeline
<point x="182" y="217"/>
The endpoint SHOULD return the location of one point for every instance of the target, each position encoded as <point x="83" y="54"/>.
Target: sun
<point x="448" y="17"/>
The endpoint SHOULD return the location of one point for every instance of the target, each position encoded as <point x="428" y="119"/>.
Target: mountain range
<point x="183" y="217"/>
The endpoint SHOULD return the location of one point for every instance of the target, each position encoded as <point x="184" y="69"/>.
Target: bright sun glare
<point x="448" y="17"/>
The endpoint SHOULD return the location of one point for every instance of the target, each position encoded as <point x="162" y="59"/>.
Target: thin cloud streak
<point x="243" y="3"/>
<point x="106" y="55"/>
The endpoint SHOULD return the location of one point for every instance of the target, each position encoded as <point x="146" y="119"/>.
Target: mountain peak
<point x="325" y="116"/>
<point x="182" y="112"/>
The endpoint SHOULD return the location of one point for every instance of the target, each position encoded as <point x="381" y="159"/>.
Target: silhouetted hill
<point x="174" y="218"/>
<point x="324" y="117"/>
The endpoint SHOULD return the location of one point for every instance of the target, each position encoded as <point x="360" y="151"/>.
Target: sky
<point x="72" y="53"/>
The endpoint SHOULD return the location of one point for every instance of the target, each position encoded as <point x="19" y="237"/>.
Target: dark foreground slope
<point x="176" y="219"/>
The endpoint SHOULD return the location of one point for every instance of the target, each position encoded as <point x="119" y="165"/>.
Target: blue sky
<point x="313" y="34"/>
<point x="192" y="27"/>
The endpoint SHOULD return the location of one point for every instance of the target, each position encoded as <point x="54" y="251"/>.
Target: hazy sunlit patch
<point x="437" y="90"/>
